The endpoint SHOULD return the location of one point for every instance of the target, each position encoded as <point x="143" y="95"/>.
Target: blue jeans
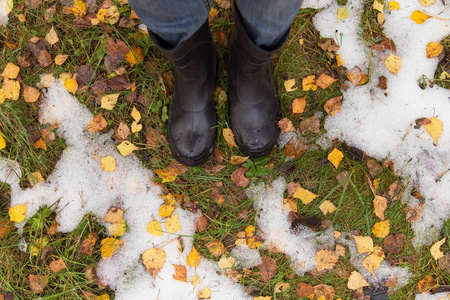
<point x="266" y="21"/>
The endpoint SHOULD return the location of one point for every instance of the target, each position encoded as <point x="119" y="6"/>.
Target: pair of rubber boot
<point x="253" y="101"/>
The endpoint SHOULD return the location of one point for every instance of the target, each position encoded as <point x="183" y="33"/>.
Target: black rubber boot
<point x="254" y="105"/>
<point x="191" y="129"/>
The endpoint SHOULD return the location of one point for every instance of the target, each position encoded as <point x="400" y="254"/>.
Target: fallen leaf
<point x="393" y="63"/>
<point x="333" y="106"/>
<point x="342" y="13"/>
<point x="373" y="260"/>
<point x="102" y="297"/>
<point x="286" y="125"/>
<point x="294" y="148"/>
<point x="18" y="212"/>
<point x="88" y="243"/>
<point x="363" y="243"/>
<point x="392" y="282"/>
<point x="381" y="229"/>
<point x="335" y="157"/>
<point x="122" y="132"/>
<point x="289" y="85"/>
<point x="310" y="124"/>
<point x="11" y="88"/>
<point x="194" y="280"/>
<point x="154" y="228"/>
<point x="57" y="265"/>
<point x="305" y="290"/>
<point x="327" y="207"/>
<point x="193" y="258"/>
<point x="325" y="260"/>
<point x="238" y="160"/>
<point x="201" y="222"/>
<point x="135" y="55"/>
<point x="116" y="52"/>
<point x="109" y="15"/>
<point x="135" y="127"/>
<point x="172" y="224"/>
<point x="268" y="268"/>
<point x="426" y="284"/>
<point x="37" y="282"/>
<point x="97" y="124"/>
<point x="52" y="37"/>
<point x="228" y="135"/>
<point x="443" y="262"/>
<point x="250" y="239"/>
<point x="71" y="85"/>
<point x="135" y="114"/>
<point x="381" y="18"/>
<point x="35" y="178"/>
<point x="289" y="204"/>
<point x="394" y="243"/>
<point x="380" y="205"/>
<point x="79" y="8"/>
<point x="356" y="281"/>
<point x="40" y="144"/>
<point x="328" y="44"/>
<point x="216" y="248"/>
<point x="394" y="5"/>
<point x="108" y="163"/>
<point x="166" y="210"/>
<point x="126" y="148"/>
<point x="109" y="245"/>
<point x="298" y="105"/>
<point x="414" y="214"/>
<point x="206" y="292"/>
<point x="378" y="6"/>
<point x="117" y="229"/>
<point x="30" y="94"/>
<point x="226" y="262"/>
<point x="153" y="260"/>
<point x="307" y="83"/>
<point x="60" y="59"/>
<point x="304" y="195"/>
<point x="434" y="49"/>
<point x="6" y="226"/>
<point x="435" y="128"/>
<point x="426" y="2"/>
<point x="11" y="71"/>
<point x="419" y="17"/>
<point x="281" y="287"/>
<point x="356" y="76"/>
<point x="180" y="273"/>
<point x="21" y="18"/>
<point x="325" y="291"/>
<point x="109" y="101"/>
<point x="435" y="249"/>
<point x="324" y="81"/>
<point x="238" y="177"/>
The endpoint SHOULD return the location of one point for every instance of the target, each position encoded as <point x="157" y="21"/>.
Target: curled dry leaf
<point x="97" y="124"/>
<point x="286" y="125"/>
<point x="356" y="76"/>
<point x="426" y="284"/>
<point x="238" y="177"/>
<point x="294" y="148"/>
<point x="57" y="265"/>
<point x="325" y="291"/>
<point x="333" y="106"/>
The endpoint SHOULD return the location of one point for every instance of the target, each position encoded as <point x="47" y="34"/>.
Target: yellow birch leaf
<point x="97" y="124"/>
<point x="117" y="229"/>
<point x="394" y="5"/>
<point x="335" y="157"/>
<point x="226" y="262"/>
<point x="172" y="224"/>
<point x="79" y="8"/>
<point x="434" y="49"/>
<point x="71" y="85"/>
<point x="324" y="81"/>
<point x="298" y="105"/>
<point x="216" y="248"/>
<point x="380" y="205"/>
<point x="11" y="88"/>
<point x="2" y="141"/>
<point x="17" y="213"/>
<point x="205" y="293"/>
<point x="419" y="17"/>
<point x="30" y="94"/>
<point x="373" y="260"/>
<point x="60" y="59"/>
<point x="304" y="195"/>
<point x="378" y="6"/>
<point x="342" y="13"/>
<point x="194" y="280"/>
<point x="363" y="243"/>
<point x="307" y="83"/>
<point x="135" y="56"/>
<point x="165" y="175"/>
<point x="356" y="281"/>
<point x="109" y="101"/>
<point x="154" y="228"/>
<point x="393" y="63"/>
<point x="153" y="260"/>
<point x="108" y="163"/>
<point x="135" y="127"/>
<point x="52" y="37"/>
<point x="193" y="258"/>
<point x="102" y="297"/>
<point x="289" y="204"/>
<point x="381" y="18"/>
<point x="135" y="114"/>
<point x="11" y="71"/>
<point x="21" y="18"/>
<point x="114" y="215"/>
<point x="126" y="148"/>
<point x="381" y="229"/>
<point x="35" y="178"/>
<point x="40" y="144"/>
<point x="326" y="260"/>
<point x="327" y="207"/>
<point x="237" y="160"/>
<point x="435" y="128"/>
<point x="2" y="96"/>
<point x="109" y="245"/>
<point x="228" y="135"/>
<point x="282" y="287"/>
<point x="166" y="210"/>
<point x="339" y="60"/>
<point x="270" y="298"/>
<point x="289" y="85"/>
<point x="435" y="251"/>
<point x="426" y="2"/>
<point x="356" y="76"/>
<point x="180" y="273"/>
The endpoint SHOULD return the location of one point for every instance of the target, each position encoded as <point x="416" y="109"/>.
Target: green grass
<point x="87" y="45"/>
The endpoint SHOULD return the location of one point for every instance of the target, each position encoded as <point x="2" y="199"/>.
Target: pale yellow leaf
<point x="135" y="127"/>
<point x="237" y="160"/>
<point x="114" y="215"/>
<point x="126" y="148"/>
<point x="435" y="249"/>
<point x="381" y="229"/>
<point x="60" y="59"/>
<point x="435" y="128"/>
<point x="228" y="135"/>
<point x="380" y="205"/>
<point x="117" y="229"/>
<point x="443" y="76"/>
<point x="373" y="260"/>
<point x="108" y="163"/>
<point x="154" y="228"/>
<point x="17" y="213"/>
<point x="11" y="88"/>
<point x="153" y="260"/>
<point x="172" y="224"/>
<point x="356" y="281"/>
<point x="30" y="94"/>
<point x="342" y="13"/>
<point x="393" y="63"/>
<point x="11" y="71"/>
<point x="304" y="195"/>
<point x="378" y="6"/>
<point x="381" y="18"/>
<point x="227" y="262"/>
<point x="298" y="105"/>
<point x="109" y="245"/>
<point x="205" y="293"/>
<point x="109" y="101"/>
<point x="394" y="5"/>
<point x="426" y="2"/>
<point x="165" y="175"/>
<point x="289" y="85"/>
<point x="434" y="49"/>
<point x="52" y="37"/>
<point x="327" y="207"/>
<point x="363" y="243"/>
<point x="326" y="260"/>
<point x="135" y="114"/>
<point x="335" y="157"/>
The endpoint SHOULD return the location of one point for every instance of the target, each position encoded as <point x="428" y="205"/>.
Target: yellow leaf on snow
<point x="356" y="281"/>
<point x="154" y="228"/>
<point x="326" y="260"/>
<point x="117" y="229"/>
<point x="166" y="210"/>
<point x="356" y="76"/>
<point x="342" y="13"/>
<point x="373" y="260"/>
<point x="126" y="148"/>
<point x="426" y="2"/>
<point x="193" y="258"/>
<point x="153" y="260"/>
<point x="108" y="163"/>
<point x="327" y="207"/>
<point x="109" y="245"/>
<point x="52" y="37"/>
<point x="393" y="63"/>
<point x="180" y="273"/>
<point x="307" y="83"/>
<point x="2" y="141"/>
<point x="378" y="6"/>
<point x="394" y="5"/>
<point x="109" y="101"/>
<point x="97" y="124"/>
<point x="380" y="205"/>
<point x="363" y="243"/>
<point x="172" y="224"/>
<point x="205" y="293"/>
<point x="226" y="262"/>
<point x="434" y="128"/>
<point x="381" y="229"/>
<point x="114" y="215"/>
<point x="335" y="157"/>
<point x="17" y="213"/>
<point x="228" y="135"/>
<point x="71" y="85"/>
<point x="435" y="251"/>
<point x="194" y="280"/>
<point x="60" y="59"/>
<point x="298" y="105"/>
<point x="434" y="49"/>
<point x="419" y="17"/>
<point x="289" y="85"/>
<point x="11" y="71"/>
<point x="304" y="195"/>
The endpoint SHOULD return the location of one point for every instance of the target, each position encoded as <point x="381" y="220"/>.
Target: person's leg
<point x="261" y="28"/>
<point x="180" y="30"/>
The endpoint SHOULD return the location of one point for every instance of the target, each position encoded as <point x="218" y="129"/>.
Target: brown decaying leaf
<point x="238" y="177"/>
<point x="122" y="132"/>
<point x="414" y="214"/>
<point x="37" y="282"/>
<point x="39" y="48"/>
<point x="53" y="228"/>
<point x="88" y="243"/>
<point x="323" y="290"/>
<point x="57" y="265"/>
<point x="294" y="148"/>
<point x="305" y="290"/>
<point x="201" y="222"/>
<point x="221" y="38"/>
<point x="356" y="76"/>
<point x="268" y="268"/>
<point x="333" y="106"/>
<point x="85" y="74"/>
<point x="328" y="44"/>
<point x="374" y="167"/>
<point x="286" y="125"/>
<point x="384" y="45"/>
<point x="394" y="244"/>
<point x="324" y="81"/>
<point x="382" y="83"/>
<point x="216" y="248"/>
<point x="116" y="52"/>
<point x="5" y="227"/>
<point x="444" y="263"/>
<point x="426" y="284"/>
<point x="216" y="195"/>
<point x="292" y="187"/>
<point x="180" y="273"/>
<point x="311" y="124"/>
